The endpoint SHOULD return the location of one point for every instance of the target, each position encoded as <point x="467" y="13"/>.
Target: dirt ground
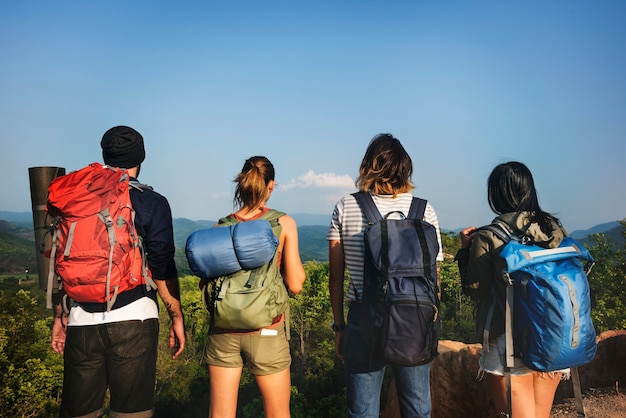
<point x="598" y="403"/>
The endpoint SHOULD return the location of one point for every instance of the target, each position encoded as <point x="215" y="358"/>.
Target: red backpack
<point x="96" y="251"/>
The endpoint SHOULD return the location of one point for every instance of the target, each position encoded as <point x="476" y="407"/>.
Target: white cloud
<point x="323" y="180"/>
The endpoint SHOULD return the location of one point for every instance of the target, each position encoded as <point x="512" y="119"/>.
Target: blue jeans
<point x="118" y="355"/>
<point x="364" y="380"/>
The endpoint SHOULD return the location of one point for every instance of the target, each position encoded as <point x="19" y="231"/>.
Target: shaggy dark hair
<point x="386" y="168"/>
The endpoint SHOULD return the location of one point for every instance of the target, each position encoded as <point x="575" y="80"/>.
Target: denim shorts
<point x="264" y="352"/>
<point x="493" y="360"/>
<point x="118" y="355"/>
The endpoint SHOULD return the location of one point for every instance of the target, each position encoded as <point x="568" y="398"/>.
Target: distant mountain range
<point x="25" y="219"/>
<point x="598" y="229"/>
<point x="312" y="231"/>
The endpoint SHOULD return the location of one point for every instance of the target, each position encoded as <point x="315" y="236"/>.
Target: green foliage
<point x="314" y="368"/>
<point x="451" y="242"/>
<point x="607" y="282"/>
<point x="331" y="406"/>
<point x="457" y="310"/>
<point x="182" y="383"/>
<point x="16" y="253"/>
<point x="313" y="244"/>
<point x="30" y="372"/>
<point x="181" y="262"/>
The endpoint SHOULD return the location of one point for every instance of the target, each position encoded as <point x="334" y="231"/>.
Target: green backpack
<point x="248" y="299"/>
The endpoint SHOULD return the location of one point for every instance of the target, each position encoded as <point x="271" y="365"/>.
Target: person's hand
<point x="177" y="338"/>
<point x="467" y="235"/>
<point x="59" y="328"/>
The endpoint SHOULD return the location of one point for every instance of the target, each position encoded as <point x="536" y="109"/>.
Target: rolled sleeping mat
<point x="223" y="250"/>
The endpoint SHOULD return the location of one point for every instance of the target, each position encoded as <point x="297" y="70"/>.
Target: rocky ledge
<point x="456" y="390"/>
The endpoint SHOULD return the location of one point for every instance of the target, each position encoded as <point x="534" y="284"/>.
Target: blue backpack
<point x="548" y="308"/>
<point x="399" y="321"/>
<point x="548" y="300"/>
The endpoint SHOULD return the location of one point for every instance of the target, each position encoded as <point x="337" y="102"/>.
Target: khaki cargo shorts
<point x="264" y="352"/>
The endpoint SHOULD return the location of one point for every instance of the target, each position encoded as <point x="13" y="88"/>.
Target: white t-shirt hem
<point x="139" y="310"/>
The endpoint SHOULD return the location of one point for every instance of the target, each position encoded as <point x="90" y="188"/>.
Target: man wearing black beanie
<point x="122" y="147"/>
<point x="117" y="348"/>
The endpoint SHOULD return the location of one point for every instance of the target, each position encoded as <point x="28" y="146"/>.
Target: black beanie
<point x="122" y="147"/>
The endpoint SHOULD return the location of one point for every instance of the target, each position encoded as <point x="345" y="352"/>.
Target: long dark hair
<point x="386" y="167"/>
<point x="252" y="182"/>
<point x="511" y="188"/>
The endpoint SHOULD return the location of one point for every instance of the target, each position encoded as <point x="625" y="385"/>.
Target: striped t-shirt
<point x="348" y="223"/>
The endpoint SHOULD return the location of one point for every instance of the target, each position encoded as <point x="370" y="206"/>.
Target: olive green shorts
<point x="264" y="352"/>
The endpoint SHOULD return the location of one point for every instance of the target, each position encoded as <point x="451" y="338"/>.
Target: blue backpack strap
<point x="371" y="212"/>
<point x="416" y="213"/>
<point x="417" y="209"/>
<point x="365" y="201"/>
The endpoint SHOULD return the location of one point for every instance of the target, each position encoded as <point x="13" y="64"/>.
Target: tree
<point x="182" y="384"/>
<point x="456" y="310"/>
<point x="607" y="282"/>
<point x="316" y="371"/>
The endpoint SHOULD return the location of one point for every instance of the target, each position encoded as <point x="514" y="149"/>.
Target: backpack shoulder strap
<point x="417" y="209"/>
<point x="134" y="184"/>
<point x="499" y="231"/>
<point x="227" y="221"/>
<point x="368" y="206"/>
<point x="272" y="216"/>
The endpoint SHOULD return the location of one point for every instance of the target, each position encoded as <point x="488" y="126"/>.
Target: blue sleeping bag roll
<point x="223" y="250"/>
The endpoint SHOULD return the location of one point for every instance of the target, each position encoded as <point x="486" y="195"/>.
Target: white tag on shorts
<point x="269" y="332"/>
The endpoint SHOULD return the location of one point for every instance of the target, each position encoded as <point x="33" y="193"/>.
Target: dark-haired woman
<point x="264" y="351"/>
<point x="512" y="196"/>
<point x="385" y="173"/>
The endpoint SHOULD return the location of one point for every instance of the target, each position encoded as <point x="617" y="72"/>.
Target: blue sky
<point x="463" y="85"/>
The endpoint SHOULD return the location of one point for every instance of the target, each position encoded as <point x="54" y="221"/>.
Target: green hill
<point x="17" y="249"/>
<point x="312" y="243"/>
<point x="18" y="253"/>
<point x="183" y="227"/>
